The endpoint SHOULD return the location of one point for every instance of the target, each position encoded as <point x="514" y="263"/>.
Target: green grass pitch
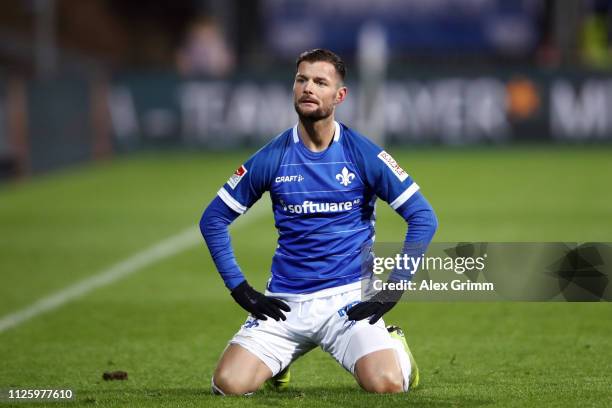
<point x="167" y="324"/>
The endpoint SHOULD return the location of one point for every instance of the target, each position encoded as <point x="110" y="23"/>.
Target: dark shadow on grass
<point x="353" y="396"/>
<point x="146" y="392"/>
<point x="136" y="396"/>
<point x="346" y="396"/>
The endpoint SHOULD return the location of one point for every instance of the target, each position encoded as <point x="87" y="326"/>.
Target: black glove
<point x="377" y="306"/>
<point x="258" y="304"/>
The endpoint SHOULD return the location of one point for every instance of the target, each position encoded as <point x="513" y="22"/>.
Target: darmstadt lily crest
<point x="345" y="177"/>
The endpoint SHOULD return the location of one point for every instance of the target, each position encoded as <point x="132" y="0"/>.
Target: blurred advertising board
<point x="49" y="124"/>
<point x="59" y="128"/>
<point x="432" y="109"/>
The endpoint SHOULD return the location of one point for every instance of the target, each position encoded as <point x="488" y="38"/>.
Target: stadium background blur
<point x="119" y="120"/>
<point x="83" y="80"/>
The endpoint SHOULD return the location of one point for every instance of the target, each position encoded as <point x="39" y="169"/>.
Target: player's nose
<point x="308" y="87"/>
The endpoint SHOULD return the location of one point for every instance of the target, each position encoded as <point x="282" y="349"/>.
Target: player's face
<point x="317" y="90"/>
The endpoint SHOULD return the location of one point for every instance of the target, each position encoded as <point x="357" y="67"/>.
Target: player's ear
<point x="341" y="95"/>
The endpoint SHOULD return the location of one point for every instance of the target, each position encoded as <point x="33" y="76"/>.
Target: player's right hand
<point x="258" y="304"/>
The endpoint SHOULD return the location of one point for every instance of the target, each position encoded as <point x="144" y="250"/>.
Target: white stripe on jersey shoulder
<point x="397" y="203"/>
<point x="337" y="131"/>
<point x="231" y="201"/>
<point x="296" y="137"/>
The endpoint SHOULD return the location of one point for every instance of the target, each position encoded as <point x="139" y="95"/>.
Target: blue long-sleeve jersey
<point x="324" y="209"/>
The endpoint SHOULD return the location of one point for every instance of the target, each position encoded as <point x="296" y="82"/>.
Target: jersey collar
<point x="296" y="138"/>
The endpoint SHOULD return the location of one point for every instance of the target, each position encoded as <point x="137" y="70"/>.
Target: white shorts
<point x="319" y="321"/>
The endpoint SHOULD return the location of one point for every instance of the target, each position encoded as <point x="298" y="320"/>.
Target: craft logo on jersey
<point x="345" y="177"/>
<point x="392" y="164"/>
<point x="237" y="176"/>
<point x="289" y="179"/>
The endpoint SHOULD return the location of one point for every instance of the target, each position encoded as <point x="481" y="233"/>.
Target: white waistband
<point x="302" y="297"/>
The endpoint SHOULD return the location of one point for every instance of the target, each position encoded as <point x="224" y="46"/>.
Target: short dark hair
<point x="321" y="54"/>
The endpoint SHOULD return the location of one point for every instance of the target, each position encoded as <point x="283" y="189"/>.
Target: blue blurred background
<point x="82" y="80"/>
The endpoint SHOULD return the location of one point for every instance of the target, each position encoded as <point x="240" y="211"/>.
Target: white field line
<point x="182" y="241"/>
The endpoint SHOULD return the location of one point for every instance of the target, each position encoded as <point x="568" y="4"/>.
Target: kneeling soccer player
<point x="323" y="180"/>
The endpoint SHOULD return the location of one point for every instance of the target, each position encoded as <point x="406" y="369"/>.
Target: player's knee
<point x="384" y="383"/>
<point x="229" y="383"/>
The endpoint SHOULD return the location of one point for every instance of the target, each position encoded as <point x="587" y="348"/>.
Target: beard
<point x="315" y="115"/>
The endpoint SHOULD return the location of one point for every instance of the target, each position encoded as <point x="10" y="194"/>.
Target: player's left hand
<point x="258" y="304"/>
<point x="376" y="307"/>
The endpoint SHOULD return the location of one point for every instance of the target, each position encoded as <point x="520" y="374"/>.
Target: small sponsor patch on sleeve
<point x="392" y="164"/>
<point x="237" y="176"/>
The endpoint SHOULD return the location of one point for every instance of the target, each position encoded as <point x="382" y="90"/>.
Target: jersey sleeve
<point x="382" y="173"/>
<point x="254" y="177"/>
